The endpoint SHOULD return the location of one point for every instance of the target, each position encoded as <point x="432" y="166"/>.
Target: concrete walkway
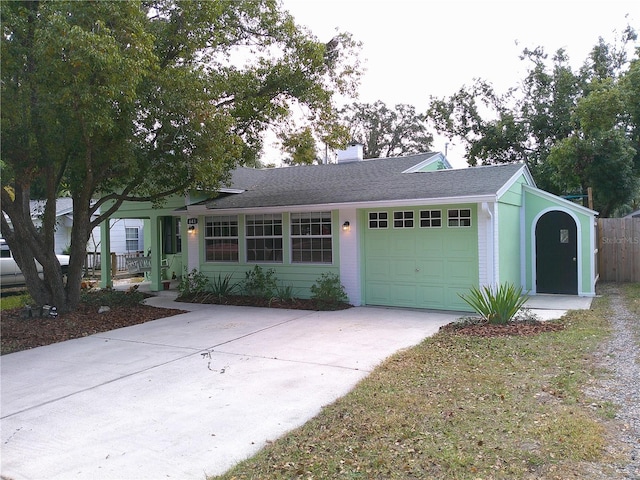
<point x="189" y="395"/>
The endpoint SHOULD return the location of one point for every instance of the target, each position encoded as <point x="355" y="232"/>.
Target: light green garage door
<point x="421" y="258"/>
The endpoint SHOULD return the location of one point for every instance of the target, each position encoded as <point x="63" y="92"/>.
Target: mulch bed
<point x="24" y="333"/>
<point x="510" y="329"/>
<point x="249" y="301"/>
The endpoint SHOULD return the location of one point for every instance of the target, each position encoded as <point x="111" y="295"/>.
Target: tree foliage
<point x="575" y="128"/>
<point x="115" y="101"/>
<point x="385" y="131"/>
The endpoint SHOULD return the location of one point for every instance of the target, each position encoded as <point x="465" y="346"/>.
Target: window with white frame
<point x="264" y="237"/>
<point x="378" y="220"/>
<point x="221" y="238"/>
<point x="132" y="235"/>
<point x="459" y="217"/>
<point x="403" y="219"/>
<point x="311" y="240"/>
<point x="430" y="218"/>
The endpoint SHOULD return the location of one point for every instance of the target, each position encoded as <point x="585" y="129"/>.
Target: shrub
<point x="285" y="294"/>
<point x="222" y="286"/>
<point x="258" y="283"/>
<point x="194" y="282"/>
<point x="328" y="290"/>
<point x="496" y="305"/>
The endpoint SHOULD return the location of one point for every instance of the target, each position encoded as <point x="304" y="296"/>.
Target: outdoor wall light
<point x="192" y="229"/>
<point x="346" y="226"/>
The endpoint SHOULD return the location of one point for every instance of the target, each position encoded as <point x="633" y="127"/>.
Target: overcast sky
<point x="415" y="49"/>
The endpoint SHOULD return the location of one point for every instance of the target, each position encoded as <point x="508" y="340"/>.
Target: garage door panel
<point x="431" y="296"/>
<point x="431" y="270"/>
<point x="461" y="245"/>
<point x="453" y="300"/>
<point x="378" y="269"/>
<point x="429" y="245"/>
<point x="403" y="244"/>
<point x="460" y="270"/>
<point x="404" y="295"/>
<point x="378" y="293"/>
<point x="404" y="270"/>
<point x="378" y="244"/>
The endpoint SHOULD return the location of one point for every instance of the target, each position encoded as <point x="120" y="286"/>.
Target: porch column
<point x="155" y="242"/>
<point x="105" y="254"/>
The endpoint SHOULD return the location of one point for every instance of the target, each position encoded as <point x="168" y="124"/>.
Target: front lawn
<point x="463" y="407"/>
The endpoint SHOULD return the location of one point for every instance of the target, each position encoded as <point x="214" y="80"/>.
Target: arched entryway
<point x="557" y="254"/>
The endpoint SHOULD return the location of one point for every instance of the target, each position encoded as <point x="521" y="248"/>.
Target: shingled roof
<point x="375" y="180"/>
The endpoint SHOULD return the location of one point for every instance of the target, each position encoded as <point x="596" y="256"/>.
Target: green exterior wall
<point x="536" y="203"/>
<point x="300" y="276"/>
<point x="509" y="234"/>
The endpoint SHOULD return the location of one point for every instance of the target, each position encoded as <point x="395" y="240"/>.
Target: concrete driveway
<point x="190" y="395"/>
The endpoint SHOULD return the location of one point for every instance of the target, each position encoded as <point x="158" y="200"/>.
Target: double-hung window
<point x="311" y="240"/>
<point x="221" y="238"/>
<point x="264" y="238"/>
<point x="131" y="235"/>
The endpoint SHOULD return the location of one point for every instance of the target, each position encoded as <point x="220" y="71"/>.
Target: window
<point x="430" y="218"/>
<point x="403" y="219"/>
<point x="311" y="237"/>
<point x="378" y="220"/>
<point x="264" y="238"/>
<point x="221" y="238"/>
<point x="459" y="217"/>
<point x="131" y="236"/>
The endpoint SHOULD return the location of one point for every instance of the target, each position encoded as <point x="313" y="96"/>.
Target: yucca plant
<point x="222" y="286"/>
<point x="496" y="305"/>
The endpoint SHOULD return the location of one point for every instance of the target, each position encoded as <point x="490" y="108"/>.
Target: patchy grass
<point x="15" y="301"/>
<point x="459" y="407"/>
<point x="632" y="297"/>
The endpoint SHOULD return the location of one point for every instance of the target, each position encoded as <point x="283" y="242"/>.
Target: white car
<point x="11" y="275"/>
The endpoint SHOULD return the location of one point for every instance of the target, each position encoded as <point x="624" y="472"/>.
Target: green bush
<point x="193" y="283"/>
<point x="222" y="286"/>
<point x="496" y="305"/>
<point x="258" y="283"/>
<point x="328" y="290"/>
<point x="285" y="293"/>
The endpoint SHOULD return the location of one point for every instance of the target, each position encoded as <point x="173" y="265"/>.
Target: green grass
<point x="15" y="301"/>
<point x="457" y="407"/>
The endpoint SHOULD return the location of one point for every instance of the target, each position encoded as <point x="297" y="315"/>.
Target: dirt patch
<point x="251" y="301"/>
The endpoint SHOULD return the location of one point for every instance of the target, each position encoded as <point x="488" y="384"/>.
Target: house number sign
<point x="192" y="221"/>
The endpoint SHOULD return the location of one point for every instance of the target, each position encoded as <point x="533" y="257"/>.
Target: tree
<point x="115" y="101"/>
<point x="386" y="132"/>
<point x="574" y="129"/>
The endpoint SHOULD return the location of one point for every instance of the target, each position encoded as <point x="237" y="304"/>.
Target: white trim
<point x="534" y="224"/>
<point x="509" y="183"/>
<point x="486" y="247"/>
<point x="555" y="198"/>
<point x="418" y="202"/>
<point x="427" y="162"/>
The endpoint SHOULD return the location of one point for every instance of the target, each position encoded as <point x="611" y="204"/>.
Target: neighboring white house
<point x="127" y="235"/>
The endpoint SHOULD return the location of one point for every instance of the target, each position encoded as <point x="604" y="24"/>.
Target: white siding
<point x="350" y="256"/>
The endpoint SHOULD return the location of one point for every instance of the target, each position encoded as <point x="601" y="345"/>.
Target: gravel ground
<point x="620" y="356"/>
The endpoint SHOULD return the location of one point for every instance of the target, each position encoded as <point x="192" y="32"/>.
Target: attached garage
<point x="420" y="257"/>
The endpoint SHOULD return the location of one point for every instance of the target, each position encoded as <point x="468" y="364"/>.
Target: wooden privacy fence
<point x="619" y="249"/>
